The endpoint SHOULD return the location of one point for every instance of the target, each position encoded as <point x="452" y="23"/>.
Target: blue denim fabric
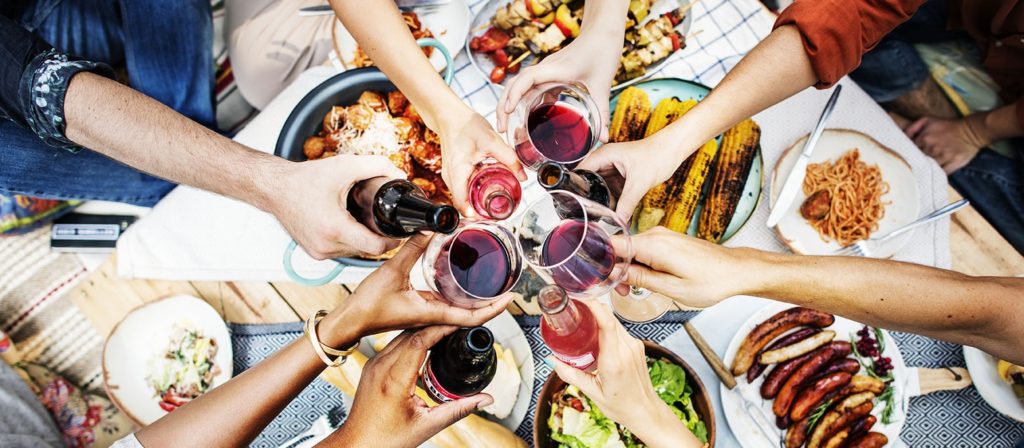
<point x="994" y="184"/>
<point x="166" y="48"/>
<point x="894" y="68"/>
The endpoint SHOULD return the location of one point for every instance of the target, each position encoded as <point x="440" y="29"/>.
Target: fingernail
<point x="547" y="362"/>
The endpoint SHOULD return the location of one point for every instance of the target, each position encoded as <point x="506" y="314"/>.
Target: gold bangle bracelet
<point x="323" y="351"/>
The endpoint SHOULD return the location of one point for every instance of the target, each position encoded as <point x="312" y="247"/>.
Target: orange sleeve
<point x="836" y="33"/>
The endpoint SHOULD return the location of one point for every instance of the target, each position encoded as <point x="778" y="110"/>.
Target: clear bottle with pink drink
<point x="569" y="328"/>
<point x="494" y="191"/>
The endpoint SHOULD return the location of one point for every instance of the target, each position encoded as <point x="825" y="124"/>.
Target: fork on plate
<point x="866" y="248"/>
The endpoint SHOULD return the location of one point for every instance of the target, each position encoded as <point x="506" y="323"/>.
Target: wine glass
<point x="567" y="240"/>
<point x="474" y="265"/>
<point x="554" y="122"/>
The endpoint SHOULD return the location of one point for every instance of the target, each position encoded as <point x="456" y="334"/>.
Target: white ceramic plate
<point x="992" y="388"/>
<point x="481" y="22"/>
<point x="449" y="23"/>
<point x="744" y="428"/>
<point x="144" y="335"/>
<point x="794" y="231"/>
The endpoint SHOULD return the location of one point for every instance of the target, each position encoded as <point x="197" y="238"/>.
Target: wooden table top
<point x="976" y="247"/>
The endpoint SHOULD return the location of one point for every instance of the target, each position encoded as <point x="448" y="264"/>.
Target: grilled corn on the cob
<point x="680" y="213"/>
<point x="739" y="146"/>
<point x="631" y="115"/>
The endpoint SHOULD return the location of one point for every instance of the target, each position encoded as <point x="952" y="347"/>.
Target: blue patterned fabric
<point x="254" y="343"/>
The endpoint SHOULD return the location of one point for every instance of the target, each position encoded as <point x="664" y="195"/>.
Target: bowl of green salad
<point x="566" y="418"/>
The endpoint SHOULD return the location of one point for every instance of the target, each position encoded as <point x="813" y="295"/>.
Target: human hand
<point x="689" y="270"/>
<point x="952" y="143"/>
<point x="644" y="164"/>
<point x="386" y="300"/>
<point x="314" y="205"/>
<point x="622" y="388"/>
<point x="586" y="60"/>
<point x="386" y="408"/>
<point x="467" y="139"/>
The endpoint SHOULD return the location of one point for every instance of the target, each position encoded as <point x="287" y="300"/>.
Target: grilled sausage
<point x="848" y="365"/>
<point x="816" y="206"/>
<point x="774" y="380"/>
<point x="791" y="338"/>
<point x="863" y="383"/>
<point x="862" y="426"/>
<point x="845" y="413"/>
<point x="811" y="396"/>
<point x="869" y="440"/>
<point x="776" y="325"/>
<point x="783" y="354"/>
<point x="783" y="422"/>
<point x="797" y="434"/>
<point x="817" y="361"/>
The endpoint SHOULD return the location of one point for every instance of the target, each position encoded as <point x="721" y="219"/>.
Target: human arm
<point x="591" y="59"/>
<point x="982" y="312"/>
<point x="234" y="413"/>
<point x="953" y="143"/>
<point x="466" y="137"/>
<point x="815" y="43"/>
<point x="621" y="386"/>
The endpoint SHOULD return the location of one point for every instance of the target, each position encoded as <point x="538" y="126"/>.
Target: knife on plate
<point x="796" y="176"/>
<point x="746" y="394"/>
<point x="321" y="10"/>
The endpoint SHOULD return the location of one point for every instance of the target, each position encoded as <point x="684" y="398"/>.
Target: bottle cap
<point x="552" y="299"/>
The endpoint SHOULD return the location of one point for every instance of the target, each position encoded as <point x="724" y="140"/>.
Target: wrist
<point x="340" y="328"/>
<point x="977" y="130"/>
<point x="256" y="183"/>
<point x="660" y="428"/>
<point x="444" y="104"/>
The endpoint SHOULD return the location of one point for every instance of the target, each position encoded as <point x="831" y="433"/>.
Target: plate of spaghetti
<point x="854" y="188"/>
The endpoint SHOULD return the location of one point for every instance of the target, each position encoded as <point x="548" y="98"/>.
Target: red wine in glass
<point x="585" y="252"/>
<point x="559" y="132"/>
<point x="494" y="191"/>
<point x="476" y="262"/>
<point x="568" y="328"/>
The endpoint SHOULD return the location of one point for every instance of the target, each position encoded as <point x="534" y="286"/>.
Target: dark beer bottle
<point x="397" y="208"/>
<point x="460" y="365"/>
<point x="584" y="183"/>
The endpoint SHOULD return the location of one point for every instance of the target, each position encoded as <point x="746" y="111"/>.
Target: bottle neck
<point x="583" y="183"/>
<point x="400" y="209"/>
<point x="470" y="347"/>
<point x="559" y="310"/>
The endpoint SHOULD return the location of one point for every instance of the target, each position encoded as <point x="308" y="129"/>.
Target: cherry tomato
<point x="500" y="58"/>
<point x="167" y="406"/>
<point x="492" y="40"/>
<point x="498" y="75"/>
<point x="474" y="44"/>
<point x="514" y="69"/>
<point x="576" y="404"/>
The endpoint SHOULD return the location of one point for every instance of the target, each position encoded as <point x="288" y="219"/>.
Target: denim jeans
<point x="166" y="48"/>
<point x="995" y="185"/>
<point x="893" y="67"/>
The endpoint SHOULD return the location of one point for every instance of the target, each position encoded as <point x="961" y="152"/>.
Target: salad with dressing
<point x="576" y="422"/>
<point x="186" y="369"/>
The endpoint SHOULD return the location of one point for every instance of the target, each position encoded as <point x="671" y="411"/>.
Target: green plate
<point x="659" y="89"/>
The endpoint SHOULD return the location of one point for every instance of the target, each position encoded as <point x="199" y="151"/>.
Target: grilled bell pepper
<point x="566" y="22"/>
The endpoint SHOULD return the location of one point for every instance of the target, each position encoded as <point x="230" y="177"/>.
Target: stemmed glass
<point x="473" y="265"/>
<point x="554" y="122"/>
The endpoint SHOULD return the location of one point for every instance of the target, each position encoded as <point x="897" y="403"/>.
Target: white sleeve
<point x="128" y="441"/>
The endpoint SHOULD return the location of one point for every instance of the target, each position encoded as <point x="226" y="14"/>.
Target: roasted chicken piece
<point x="427" y="155"/>
<point x="403" y="161"/>
<point x="397" y="102"/>
<point x="329" y="154"/>
<point x="373" y="100"/>
<point x="406" y="129"/>
<point x="334" y="119"/>
<point x="431" y="137"/>
<point x="427" y="186"/>
<point x="361" y="115"/>
<point x="314" y="147"/>
<point x="411" y="112"/>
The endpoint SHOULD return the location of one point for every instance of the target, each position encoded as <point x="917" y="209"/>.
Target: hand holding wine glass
<point x="386" y="408"/>
<point x="387" y="301"/>
<point x="622" y="387"/>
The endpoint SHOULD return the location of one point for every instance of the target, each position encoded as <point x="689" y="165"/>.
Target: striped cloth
<point x="37" y="313"/>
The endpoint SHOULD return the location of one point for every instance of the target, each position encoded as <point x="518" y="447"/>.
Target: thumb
<point x="632" y="194"/>
<point x="916" y="127"/>
<point x="583" y="380"/>
<point x="446" y="414"/>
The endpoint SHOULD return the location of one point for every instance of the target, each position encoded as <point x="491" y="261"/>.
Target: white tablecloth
<point x="196" y="235"/>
